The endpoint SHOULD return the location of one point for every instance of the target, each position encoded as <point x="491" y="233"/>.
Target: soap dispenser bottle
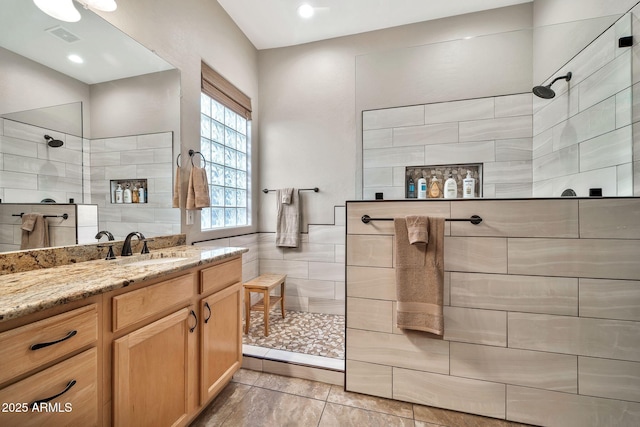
<point x="127" y="195"/>
<point x="450" y="188"/>
<point x="435" y="190"/>
<point x="468" y="186"/>
<point x="422" y="188"/>
<point x="118" y="194"/>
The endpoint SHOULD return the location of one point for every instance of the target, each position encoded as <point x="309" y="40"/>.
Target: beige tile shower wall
<point x="315" y="270"/>
<point x="495" y="131"/>
<point x="541" y="311"/>
<point x="583" y="137"/>
<point x="147" y="156"/>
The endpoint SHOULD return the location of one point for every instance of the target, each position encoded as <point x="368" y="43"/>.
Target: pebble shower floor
<point x="316" y="334"/>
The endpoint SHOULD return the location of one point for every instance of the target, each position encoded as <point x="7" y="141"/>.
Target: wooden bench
<point x="263" y="284"/>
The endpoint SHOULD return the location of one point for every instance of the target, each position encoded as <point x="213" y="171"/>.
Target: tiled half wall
<point x="542" y="318"/>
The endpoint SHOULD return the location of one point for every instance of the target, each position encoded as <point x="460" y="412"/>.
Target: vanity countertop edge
<point x="32" y="291"/>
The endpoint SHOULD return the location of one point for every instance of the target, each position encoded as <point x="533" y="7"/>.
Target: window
<point x="225" y="129"/>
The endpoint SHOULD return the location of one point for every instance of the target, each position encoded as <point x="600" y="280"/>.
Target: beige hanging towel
<point x="176" y="189"/>
<point x="420" y="278"/>
<point x="198" y="190"/>
<point x="35" y="231"/>
<point x="288" y="218"/>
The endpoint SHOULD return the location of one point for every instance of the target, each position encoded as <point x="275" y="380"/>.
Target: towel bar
<point x="63" y="216"/>
<point x="314" y="189"/>
<point x="475" y="219"/>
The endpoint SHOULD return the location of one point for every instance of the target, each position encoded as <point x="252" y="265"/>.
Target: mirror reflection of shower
<point x="52" y="142"/>
<point x="546" y="92"/>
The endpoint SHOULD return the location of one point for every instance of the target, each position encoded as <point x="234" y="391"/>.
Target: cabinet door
<point x="151" y="372"/>
<point x="221" y="339"/>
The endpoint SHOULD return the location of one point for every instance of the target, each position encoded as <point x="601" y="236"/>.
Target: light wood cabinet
<point x="151" y="372"/>
<point x="220" y="339"/>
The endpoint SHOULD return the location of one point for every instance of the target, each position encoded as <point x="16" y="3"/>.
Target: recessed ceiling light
<point x="306" y="11"/>
<point x="75" y="58"/>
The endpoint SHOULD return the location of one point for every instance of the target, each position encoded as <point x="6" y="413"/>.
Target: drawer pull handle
<point x="193" y="313"/>
<point x="66" y="389"/>
<point x="208" y="307"/>
<point x="47" y="344"/>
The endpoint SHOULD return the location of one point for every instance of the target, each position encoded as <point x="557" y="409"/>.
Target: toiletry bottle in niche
<point x="141" y="194"/>
<point x="411" y="189"/>
<point x="135" y="196"/>
<point x="435" y="191"/>
<point x="468" y="186"/>
<point x="126" y="195"/>
<point x="118" y="192"/>
<point x="450" y="188"/>
<point x="422" y="188"/>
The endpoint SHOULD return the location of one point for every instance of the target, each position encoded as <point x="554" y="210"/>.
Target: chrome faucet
<point x="104" y="233"/>
<point x="126" y="246"/>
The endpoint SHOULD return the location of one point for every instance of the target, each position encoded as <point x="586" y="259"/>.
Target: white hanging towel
<point x="288" y="220"/>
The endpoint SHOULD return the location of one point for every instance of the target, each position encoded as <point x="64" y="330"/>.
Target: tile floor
<point x="267" y="400"/>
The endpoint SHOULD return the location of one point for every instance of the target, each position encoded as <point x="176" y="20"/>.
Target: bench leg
<point x="267" y="305"/>
<point x="247" y="310"/>
<point x="282" y="299"/>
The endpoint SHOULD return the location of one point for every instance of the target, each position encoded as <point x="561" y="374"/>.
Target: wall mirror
<point x="117" y="114"/>
<point x="472" y="108"/>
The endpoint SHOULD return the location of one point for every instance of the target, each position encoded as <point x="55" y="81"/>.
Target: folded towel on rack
<point x="176" y="189"/>
<point x="417" y="229"/>
<point x="35" y="231"/>
<point x="286" y="194"/>
<point x="288" y="220"/>
<point x="420" y="278"/>
<point x="198" y="190"/>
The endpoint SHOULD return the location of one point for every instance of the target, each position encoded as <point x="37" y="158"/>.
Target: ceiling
<point x="275" y="23"/>
<point x="108" y="53"/>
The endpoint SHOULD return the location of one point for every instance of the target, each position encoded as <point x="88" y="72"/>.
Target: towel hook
<point x="178" y="159"/>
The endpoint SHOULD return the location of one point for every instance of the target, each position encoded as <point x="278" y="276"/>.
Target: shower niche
<point x="441" y="172"/>
<point x="137" y="186"/>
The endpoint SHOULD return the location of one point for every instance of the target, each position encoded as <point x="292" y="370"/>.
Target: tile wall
<point x="583" y="137"/>
<point x="542" y="311"/>
<point x="31" y="171"/>
<point x="145" y="156"/>
<point x="315" y="270"/>
<point x="495" y="131"/>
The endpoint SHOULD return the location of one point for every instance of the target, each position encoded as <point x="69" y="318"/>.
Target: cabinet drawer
<point x="138" y="305"/>
<point x="220" y="276"/>
<point x="77" y="406"/>
<point x="28" y="347"/>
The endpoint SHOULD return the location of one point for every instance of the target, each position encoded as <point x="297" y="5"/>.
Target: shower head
<point x="51" y="142"/>
<point x="546" y="92"/>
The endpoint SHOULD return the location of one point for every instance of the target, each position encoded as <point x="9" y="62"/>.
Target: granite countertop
<point x="31" y="291"/>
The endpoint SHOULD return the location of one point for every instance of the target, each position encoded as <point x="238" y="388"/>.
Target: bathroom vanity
<point x="142" y="340"/>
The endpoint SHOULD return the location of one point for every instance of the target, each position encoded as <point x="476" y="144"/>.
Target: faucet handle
<point x="110" y="254"/>
<point x="145" y="248"/>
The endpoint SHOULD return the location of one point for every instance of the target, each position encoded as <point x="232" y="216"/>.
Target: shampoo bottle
<point x="411" y="189"/>
<point x="127" y="195"/>
<point x="422" y="188"/>
<point x="118" y="193"/>
<point x="468" y="186"/>
<point x="450" y="188"/>
<point x="135" y="196"/>
<point x="141" y="194"/>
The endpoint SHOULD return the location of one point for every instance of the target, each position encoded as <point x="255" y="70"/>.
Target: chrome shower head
<point x="51" y="142"/>
<point x="546" y="92"/>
